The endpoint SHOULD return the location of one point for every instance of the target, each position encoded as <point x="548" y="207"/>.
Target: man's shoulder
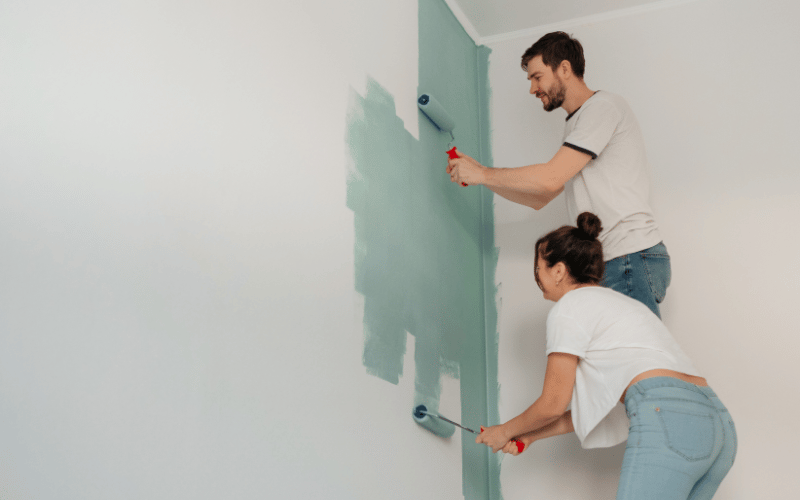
<point x="603" y="107"/>
<point x="605" y="98"/>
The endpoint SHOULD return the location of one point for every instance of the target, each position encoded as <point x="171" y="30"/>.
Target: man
<point x="601" y="167"/>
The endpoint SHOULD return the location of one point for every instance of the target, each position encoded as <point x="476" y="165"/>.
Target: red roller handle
<point x="520" y="444"/>
<point x="453" y="155"/>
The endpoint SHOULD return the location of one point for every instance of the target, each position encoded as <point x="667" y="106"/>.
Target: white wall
<point x="177" y="307"/>
<point x="714" y="85"/>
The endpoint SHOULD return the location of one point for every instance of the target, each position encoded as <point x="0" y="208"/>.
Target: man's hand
<point x="465" y="170"/>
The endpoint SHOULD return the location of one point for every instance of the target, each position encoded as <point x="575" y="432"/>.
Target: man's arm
<point x="533" y="185"/>
<point x="536" y="202"/>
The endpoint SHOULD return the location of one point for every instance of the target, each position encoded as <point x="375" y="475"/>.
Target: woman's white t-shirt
<point x="616" y="338"/>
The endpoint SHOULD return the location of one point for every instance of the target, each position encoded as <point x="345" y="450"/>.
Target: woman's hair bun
<point x="589" y="223"/>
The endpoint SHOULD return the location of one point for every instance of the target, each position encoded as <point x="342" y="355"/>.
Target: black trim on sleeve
<point x="577" y="148"/>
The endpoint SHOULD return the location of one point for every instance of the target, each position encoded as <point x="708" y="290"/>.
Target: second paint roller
<point x="444" y="427"/>
<point x="437" y="114"/>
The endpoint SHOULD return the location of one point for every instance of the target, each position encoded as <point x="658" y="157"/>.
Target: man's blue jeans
<point x="643" y="275"/>
<point x="681" y="444"/>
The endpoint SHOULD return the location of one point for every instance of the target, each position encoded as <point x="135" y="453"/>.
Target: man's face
<point x="545" y="84"/>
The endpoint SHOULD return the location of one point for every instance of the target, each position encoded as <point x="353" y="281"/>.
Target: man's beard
<point x="555" y="98"/>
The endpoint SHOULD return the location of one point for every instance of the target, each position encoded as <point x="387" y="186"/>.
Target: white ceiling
<point x="490" y="18"/>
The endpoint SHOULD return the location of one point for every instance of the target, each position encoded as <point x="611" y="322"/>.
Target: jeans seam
<point x="627" y="485"/>
<point x="668" y="382"/>
<point x="664" y="253"/>
<point x="628" y="274"/>
<point x="682" y="400"/>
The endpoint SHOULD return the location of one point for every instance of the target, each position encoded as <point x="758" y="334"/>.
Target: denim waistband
<point x="669" y="382"/>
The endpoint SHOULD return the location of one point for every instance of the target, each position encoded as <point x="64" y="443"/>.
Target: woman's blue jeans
<point x="682" y="442"/>
<point x="643" y="275"/>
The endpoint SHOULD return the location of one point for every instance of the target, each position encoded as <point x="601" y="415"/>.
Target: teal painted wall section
<point x="379" y="191"/>
<point x="490" y="254"/>
<point x="454" y="70"/>
<point x="424" y="250"/>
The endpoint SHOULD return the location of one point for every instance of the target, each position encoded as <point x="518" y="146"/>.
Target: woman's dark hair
<point x="554" y="48"/>
<point x="577" y="247"/>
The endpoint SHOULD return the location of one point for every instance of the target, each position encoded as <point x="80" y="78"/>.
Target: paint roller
<point x="438" y="425"/>
<point x="444" y="427"/>
<point x="431" y="108"/>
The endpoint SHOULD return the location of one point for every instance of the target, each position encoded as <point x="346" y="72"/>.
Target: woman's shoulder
<point x="594" y="298"/>
<point x="589" y="293"/>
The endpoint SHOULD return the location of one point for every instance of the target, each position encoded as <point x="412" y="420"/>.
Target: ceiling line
<point x="464" y="20"/>
<point x="572" y="23"/>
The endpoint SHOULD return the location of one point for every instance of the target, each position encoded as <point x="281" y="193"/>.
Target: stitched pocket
<point x="659" y="273"/>
<point x="690" y="435"/>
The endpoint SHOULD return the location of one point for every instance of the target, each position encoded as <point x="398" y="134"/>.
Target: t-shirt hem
<point x="652" y="239"/>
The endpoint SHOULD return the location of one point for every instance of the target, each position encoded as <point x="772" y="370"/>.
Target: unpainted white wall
<point x="714" y="86"/>
<point x="177" y="307"/>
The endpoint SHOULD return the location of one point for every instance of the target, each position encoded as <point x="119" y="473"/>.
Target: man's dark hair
<point x="554" y="48"/>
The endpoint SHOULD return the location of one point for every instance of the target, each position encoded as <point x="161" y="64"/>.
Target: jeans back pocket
<point x="690" y="435"/>
<point x="658" y="270"/>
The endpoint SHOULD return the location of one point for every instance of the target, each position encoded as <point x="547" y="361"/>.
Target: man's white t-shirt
<point x="616" y="338"/>
<point x="615" y="184"/>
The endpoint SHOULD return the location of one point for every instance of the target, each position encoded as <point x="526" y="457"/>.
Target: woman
<point x="603" y="348"/>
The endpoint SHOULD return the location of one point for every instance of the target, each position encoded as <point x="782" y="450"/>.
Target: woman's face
<point x="546" y="278"/>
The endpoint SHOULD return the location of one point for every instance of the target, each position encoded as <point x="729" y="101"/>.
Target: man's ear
<point x="565" y="68"/>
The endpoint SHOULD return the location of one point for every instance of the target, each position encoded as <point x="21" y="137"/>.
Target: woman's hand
<point x="494" y="437"/>
<point x="513" y="448"/>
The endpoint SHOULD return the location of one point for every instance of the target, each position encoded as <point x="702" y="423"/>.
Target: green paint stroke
<point x="414" y="264"/>
<point x="424" y="252"/>
<point x="378" y="193"/>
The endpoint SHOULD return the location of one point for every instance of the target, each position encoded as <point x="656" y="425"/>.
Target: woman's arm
<point x="563" y="425"/>
<point x="559" y="379"/>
